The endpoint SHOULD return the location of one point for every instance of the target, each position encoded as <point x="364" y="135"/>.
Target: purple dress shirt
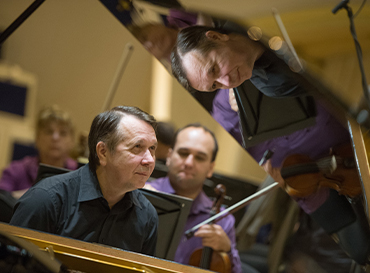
<point x="181" y="19"/>
<point x="314" y="141"/>
<point x="21" y="174"/>
<point x="225" y="116"/>
<point x="199" y="212"/>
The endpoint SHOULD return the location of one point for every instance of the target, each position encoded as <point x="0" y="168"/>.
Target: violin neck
<point x="325" y="165"/>
<point x="205" y="261"/>
<point x="299" y="169"/>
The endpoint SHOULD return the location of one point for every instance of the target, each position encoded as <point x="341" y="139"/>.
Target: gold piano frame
<point x="91" y="258"/>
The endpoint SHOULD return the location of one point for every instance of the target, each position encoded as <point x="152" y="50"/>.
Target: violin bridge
<point x="333" y="164"/>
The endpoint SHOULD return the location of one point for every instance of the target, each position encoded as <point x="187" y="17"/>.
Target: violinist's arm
<point x="215" y="237"/>
<point x="274" y="173"/>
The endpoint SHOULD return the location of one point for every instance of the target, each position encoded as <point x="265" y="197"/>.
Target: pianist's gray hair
<point x="105" y="128"/>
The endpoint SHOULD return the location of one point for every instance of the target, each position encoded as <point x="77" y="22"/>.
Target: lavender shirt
<point x="314" y="141"/>
<point x="181" y="19"/>
<point x="200" y="212"/>
<point x="225" y="116"/>
<point x="21" y="174"/>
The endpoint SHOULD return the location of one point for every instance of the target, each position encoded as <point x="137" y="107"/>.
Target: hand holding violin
<point x="275" y="173"/>
<point x="215" y="242"/>
<point x="215" y="237"/>
<point x="300" y="176"/>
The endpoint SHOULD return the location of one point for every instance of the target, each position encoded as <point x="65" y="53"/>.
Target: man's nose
<point x="55" y="135"/>
<point x="225" y="80"/>
<point x="189" y="161"/>
<point x="148" y="158"/>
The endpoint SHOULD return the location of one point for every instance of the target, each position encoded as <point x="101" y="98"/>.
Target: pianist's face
<point x="132" y="161"/>
<point x="226" y="66"/>
<point x="189" y="163"/>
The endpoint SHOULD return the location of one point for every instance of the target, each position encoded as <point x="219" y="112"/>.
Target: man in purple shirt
<point x="314" y="141"/>
<point x="54" y="142"/>
<point x="190" y="161"/>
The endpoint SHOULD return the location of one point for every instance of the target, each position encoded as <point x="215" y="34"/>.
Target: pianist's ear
<point x="217" y="36"/>
<point x="101" y="151"/>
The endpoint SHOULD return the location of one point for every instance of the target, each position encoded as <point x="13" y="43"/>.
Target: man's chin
<point x="184" y="178"/>
<point x="139" y="184"/>
<point x="239" y="83"/>
<point x="55" y="153"/>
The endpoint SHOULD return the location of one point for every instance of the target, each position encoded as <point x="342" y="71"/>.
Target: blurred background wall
<point x="68" y="52"/>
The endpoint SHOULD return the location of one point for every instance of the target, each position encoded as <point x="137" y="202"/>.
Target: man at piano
<point x="99" y="202"/>
<point x="207" y="59"/>
<point x="190" y="161"/>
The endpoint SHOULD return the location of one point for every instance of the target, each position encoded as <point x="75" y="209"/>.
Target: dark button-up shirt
<point x="72" y="205"/>
<point x="274" y="78"/>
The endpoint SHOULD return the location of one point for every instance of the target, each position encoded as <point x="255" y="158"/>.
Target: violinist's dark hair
<point x="198" y="125"/>
<point x="105" y="127"/>
<point x="165" y="132"/>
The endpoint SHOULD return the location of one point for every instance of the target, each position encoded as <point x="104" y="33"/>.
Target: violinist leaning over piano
<point x="190" y="161"/>
<point x="100" y="202"/>
<point x="207" y="59"/>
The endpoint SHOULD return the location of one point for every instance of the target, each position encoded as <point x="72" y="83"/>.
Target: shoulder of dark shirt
<point x="58" y="180"/>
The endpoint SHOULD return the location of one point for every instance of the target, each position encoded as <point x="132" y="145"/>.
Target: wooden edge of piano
<point x="361" y="146"/>
<point x="89" y="257"/>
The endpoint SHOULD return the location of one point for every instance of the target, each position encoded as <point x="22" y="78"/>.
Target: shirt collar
<point x="163" y="184"/>
<point x="90" y="188"/>
<point x="133" y="195"/>
<point x="201" y="204"/>
<point x="264" y="61"/>
<point x="260" y="65"/>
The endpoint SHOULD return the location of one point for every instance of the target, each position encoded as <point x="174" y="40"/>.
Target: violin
<point x="304" y="176"/>
<point x="206" y="257"/>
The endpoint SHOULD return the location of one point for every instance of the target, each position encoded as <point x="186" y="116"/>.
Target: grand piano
<point x="79" y="256"/>
<point x="337" y="103"/>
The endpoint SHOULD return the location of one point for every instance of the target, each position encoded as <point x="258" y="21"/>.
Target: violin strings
<point x="205" y="257"/>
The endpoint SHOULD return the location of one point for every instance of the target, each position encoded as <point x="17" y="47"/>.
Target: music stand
<point x="173" y="211"/>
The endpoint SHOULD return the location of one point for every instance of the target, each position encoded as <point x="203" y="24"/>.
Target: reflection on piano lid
<point x="18" y="255"/>
<point x="95" y="258"/>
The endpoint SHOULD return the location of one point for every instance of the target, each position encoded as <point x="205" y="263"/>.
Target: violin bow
<point x="118" y="75"/>
<point x="283" y="31"/>
<point x="241" y="204"/>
